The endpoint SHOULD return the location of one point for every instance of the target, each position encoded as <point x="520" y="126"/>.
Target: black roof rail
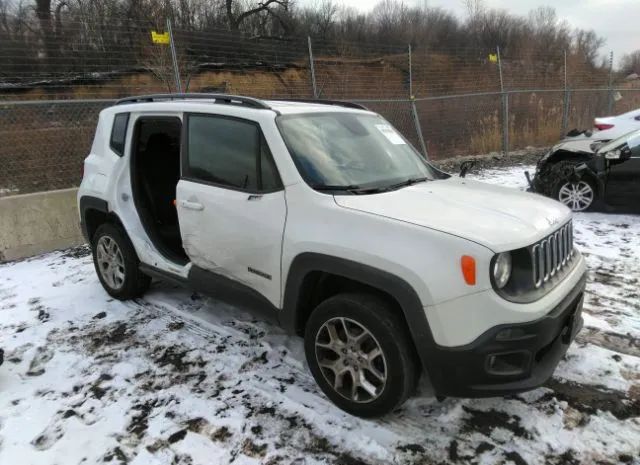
<point x="219" y="98"/>
<point x="340" y="103"/>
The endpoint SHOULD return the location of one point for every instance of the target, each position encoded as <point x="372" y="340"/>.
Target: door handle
<point x="191" y="205"/>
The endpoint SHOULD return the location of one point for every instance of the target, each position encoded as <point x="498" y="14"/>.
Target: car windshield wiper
<point x="353" y="188"/>
<point x="408" y="182"/>
<point x="357" y="189"/>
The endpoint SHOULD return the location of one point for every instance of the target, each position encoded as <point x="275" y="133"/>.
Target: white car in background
<point x="612" y="127"/>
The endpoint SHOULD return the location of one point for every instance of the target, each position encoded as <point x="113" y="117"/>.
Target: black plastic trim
<point x="463" y="372"/>
<point x="396" y="287"/>
<point x="232" y="292"/>
<point x="163" y="275"/>
<point x="88" y="202"/>
<point x="338" y="103"/>
<point x="225" y="99"/>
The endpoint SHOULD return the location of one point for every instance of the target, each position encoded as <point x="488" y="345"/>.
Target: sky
<point x="618" y="21"/>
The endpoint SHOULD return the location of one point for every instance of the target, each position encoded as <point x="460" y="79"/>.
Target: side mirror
<point x="465" y="167"/>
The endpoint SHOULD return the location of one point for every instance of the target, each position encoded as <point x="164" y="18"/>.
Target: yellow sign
<point x="158" y="38"/>
<point x="493" y="57"/>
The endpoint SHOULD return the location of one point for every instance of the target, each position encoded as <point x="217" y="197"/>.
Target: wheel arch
<point x="587" y="174"/>
<point x="95" y="211"/>
<point x="568" y="155"/>
<point x="309" y="273"/>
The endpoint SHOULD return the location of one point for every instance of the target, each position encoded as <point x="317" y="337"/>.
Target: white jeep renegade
<point x="321" y="215"/>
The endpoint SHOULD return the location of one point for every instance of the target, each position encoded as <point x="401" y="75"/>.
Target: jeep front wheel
<point x="359" y="352"/>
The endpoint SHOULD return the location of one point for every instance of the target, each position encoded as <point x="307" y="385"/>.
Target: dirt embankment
<point x="528" y="156"/>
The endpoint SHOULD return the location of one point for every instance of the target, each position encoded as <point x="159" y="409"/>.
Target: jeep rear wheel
<point x="359" y="352"/>
<point x="117" y="264"/>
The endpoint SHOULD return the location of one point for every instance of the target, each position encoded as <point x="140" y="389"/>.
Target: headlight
<point x="502" y="269"/>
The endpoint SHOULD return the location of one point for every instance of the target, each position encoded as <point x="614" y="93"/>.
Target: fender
<point x="88" y="202"/>
<point x="393" y="285"/>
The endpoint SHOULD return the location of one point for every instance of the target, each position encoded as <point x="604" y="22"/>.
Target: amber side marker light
<point x="468" y="265"/>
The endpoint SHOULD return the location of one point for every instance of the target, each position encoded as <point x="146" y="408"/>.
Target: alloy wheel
<point x="577" y="196"/>
<point x="110" y="262"/>
<point x="351" y="360"/>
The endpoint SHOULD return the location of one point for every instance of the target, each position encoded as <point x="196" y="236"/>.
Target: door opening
<point x="155" y="172"/>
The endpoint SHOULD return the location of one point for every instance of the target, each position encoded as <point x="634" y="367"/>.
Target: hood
<point x="582" y="143"/>
<point x="576" y="144"/>
<point x="496" y="217"/>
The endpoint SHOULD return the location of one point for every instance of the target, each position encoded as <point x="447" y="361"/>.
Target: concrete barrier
<point x="31" y="224"/>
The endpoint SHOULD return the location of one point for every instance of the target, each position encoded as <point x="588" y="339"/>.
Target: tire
<point x="577" y="195"/>
<point x="110" y="245"/>
<point x="397" y="362"/>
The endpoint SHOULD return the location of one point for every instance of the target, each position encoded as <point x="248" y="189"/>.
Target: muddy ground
<point x="175" y="377"/>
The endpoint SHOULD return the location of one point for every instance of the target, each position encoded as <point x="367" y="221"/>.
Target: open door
<point x="155" y="172"/>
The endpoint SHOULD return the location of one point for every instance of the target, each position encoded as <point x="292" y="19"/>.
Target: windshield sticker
<point x="391" y="134"/>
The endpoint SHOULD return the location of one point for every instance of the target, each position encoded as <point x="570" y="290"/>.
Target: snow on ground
<point x="178" y="378"/>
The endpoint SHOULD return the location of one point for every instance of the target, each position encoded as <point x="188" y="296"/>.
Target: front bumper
<point x="509" y="358"/>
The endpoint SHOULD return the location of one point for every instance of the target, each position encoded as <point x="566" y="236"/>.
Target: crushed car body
<point x="585" y="172"/>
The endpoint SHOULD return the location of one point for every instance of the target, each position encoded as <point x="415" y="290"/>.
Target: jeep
<point x="321" y="216"/>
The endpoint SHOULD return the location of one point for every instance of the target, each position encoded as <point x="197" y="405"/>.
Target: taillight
<point x="602" y="126"/>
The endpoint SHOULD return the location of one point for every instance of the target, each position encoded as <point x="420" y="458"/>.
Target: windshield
<point x="346" y="151"/>
<point x="615" y="143"/>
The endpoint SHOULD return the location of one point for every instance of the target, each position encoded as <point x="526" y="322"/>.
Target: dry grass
<point x="486" y="135"/>
<point x="43" y="159"/>
<point x="43" y="147"/>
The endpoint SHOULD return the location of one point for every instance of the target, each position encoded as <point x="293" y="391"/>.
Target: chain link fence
<point x="445" y="102"/>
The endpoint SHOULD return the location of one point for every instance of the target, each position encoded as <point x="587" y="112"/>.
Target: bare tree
<point x="630" y="63"/>
<point x="549" y="33"/>
<point x="587" y="45"/>
<point x="327" y="11"/>
<point x="236" y="15"/>
<point x="475" y="13"/>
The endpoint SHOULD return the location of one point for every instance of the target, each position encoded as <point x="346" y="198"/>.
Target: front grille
<point x="552" y="254"/>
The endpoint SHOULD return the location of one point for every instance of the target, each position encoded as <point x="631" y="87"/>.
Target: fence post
<point x="414" y="110"/>
<point x="416" y="120"/>
<point x="610" y="87"/>
<point x="410" y="74"/>
<point x="505" y="107"/>
<point x="313" y="68"/>
<point x="566" y="102"/>
<point x="174" y="58"/>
